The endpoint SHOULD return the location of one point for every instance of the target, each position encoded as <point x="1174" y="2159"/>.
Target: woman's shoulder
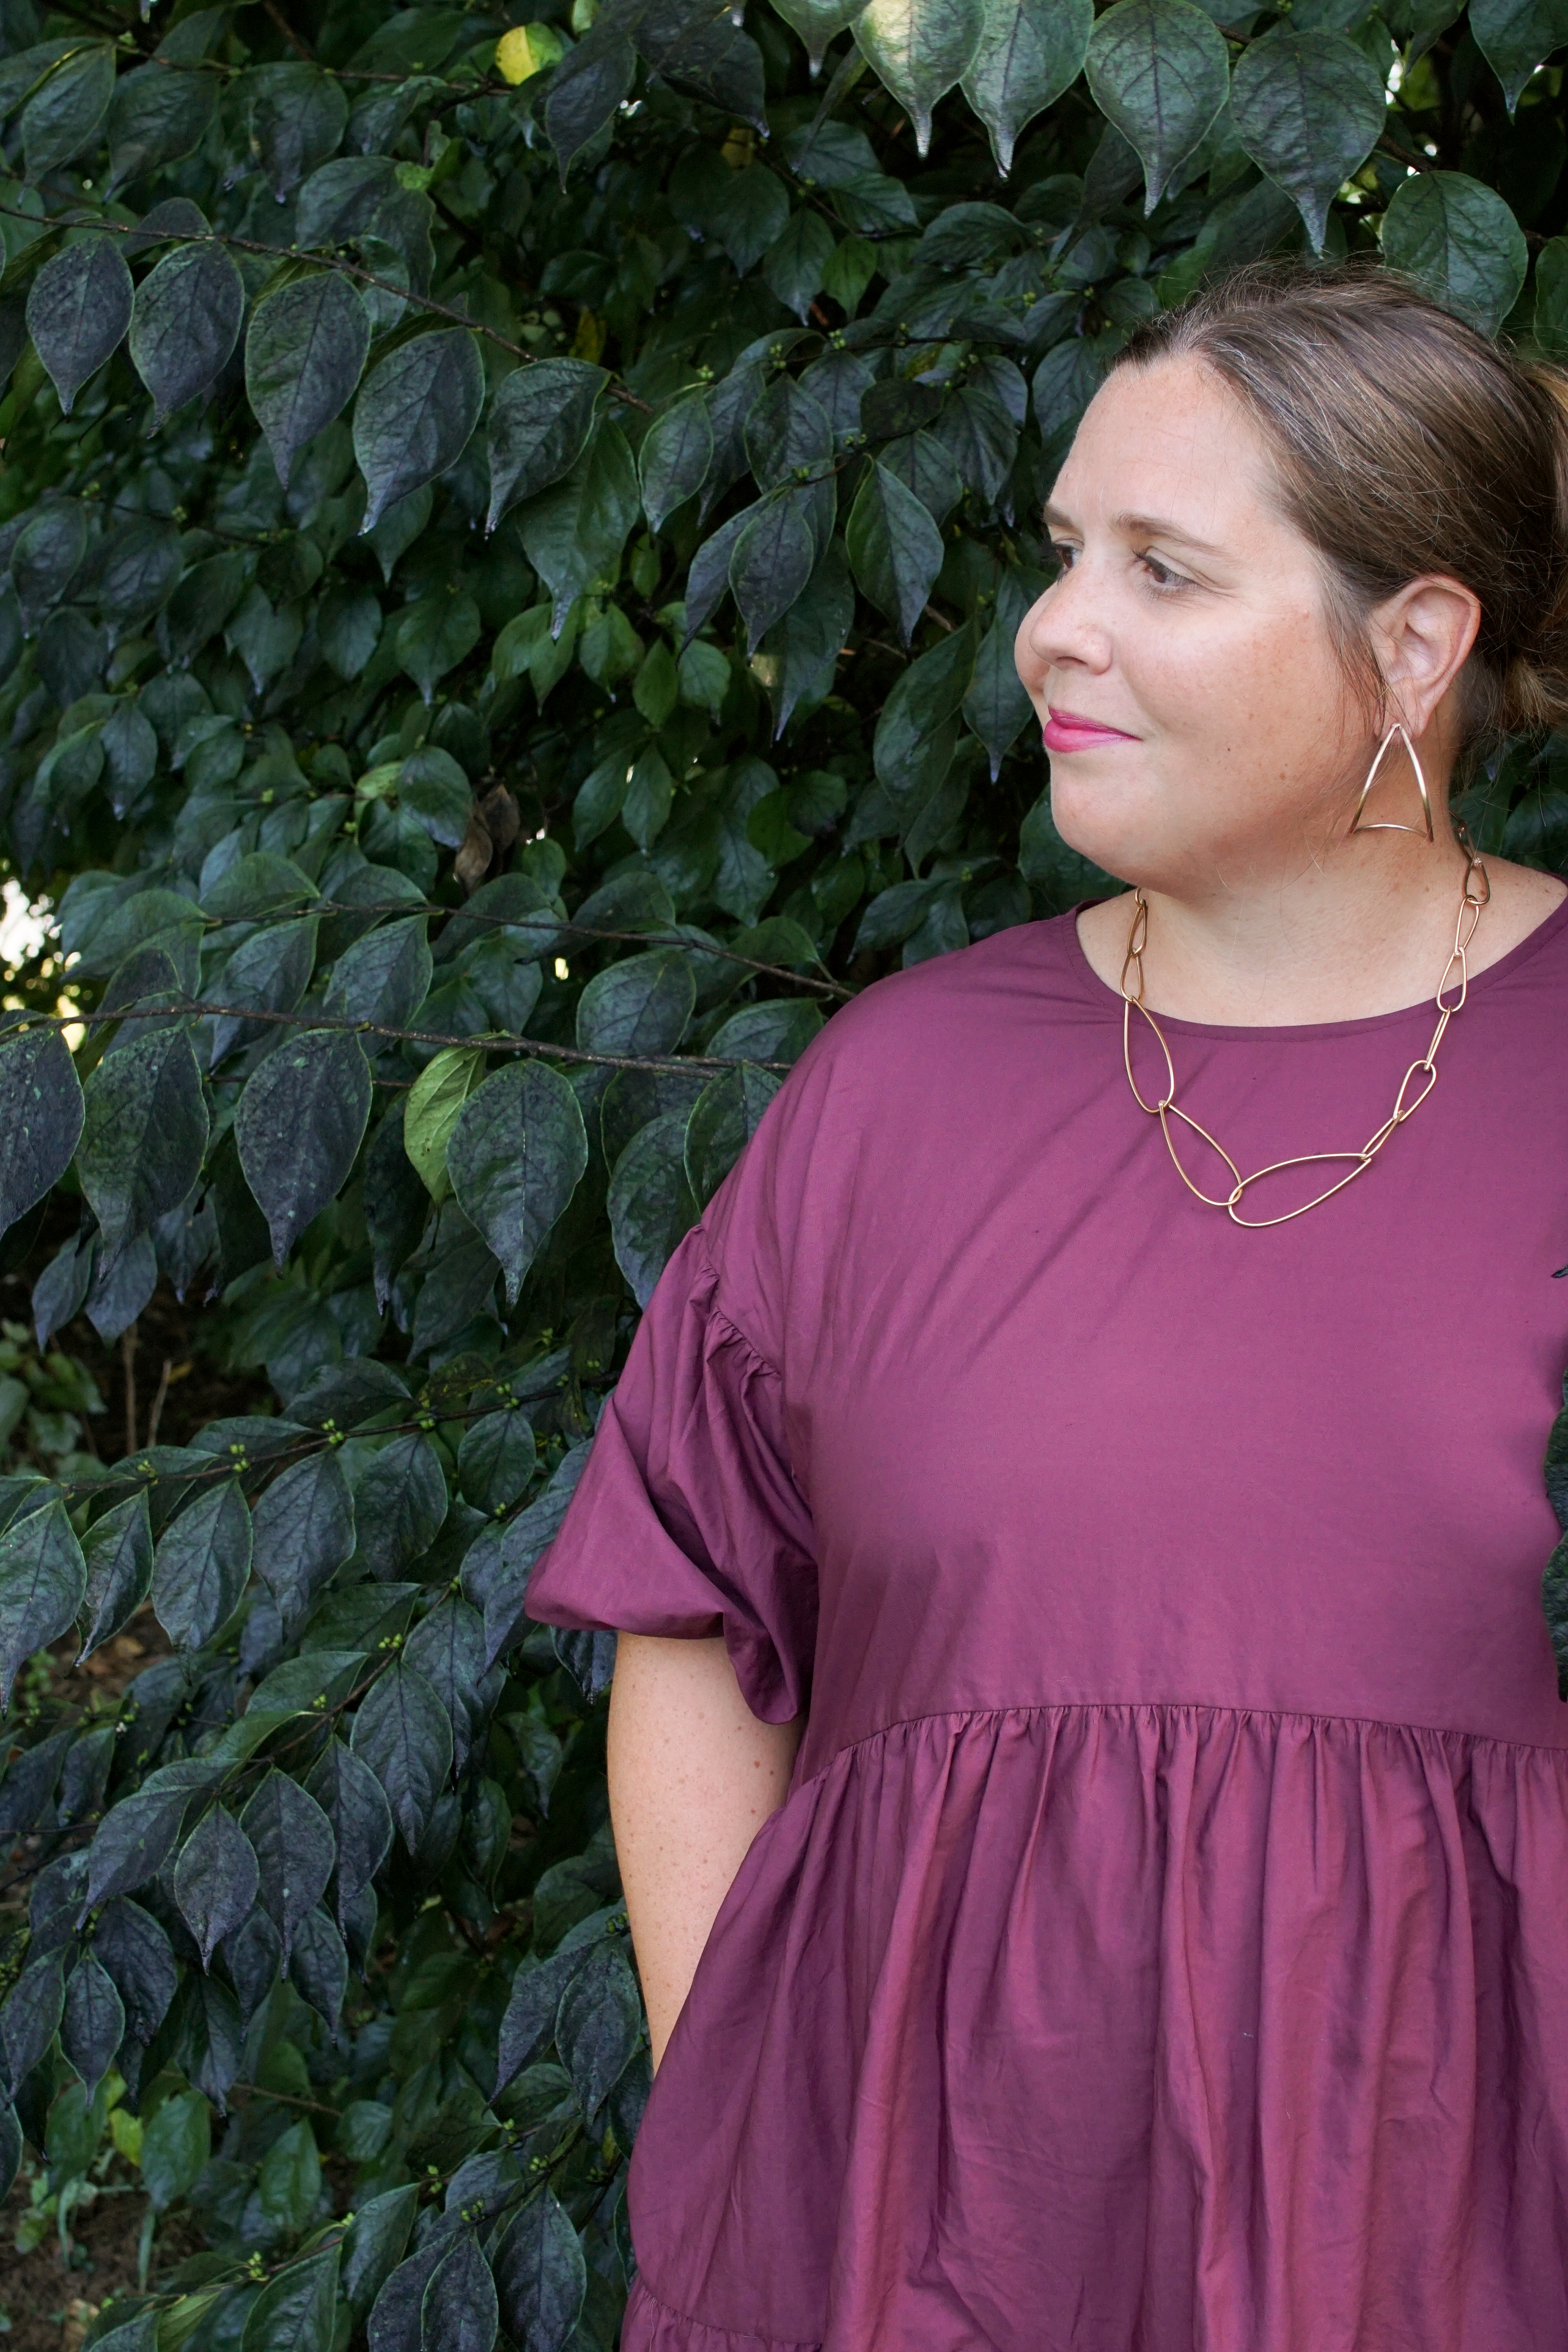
<point x="954" y="1037"/>
<point x="983" y="998"/>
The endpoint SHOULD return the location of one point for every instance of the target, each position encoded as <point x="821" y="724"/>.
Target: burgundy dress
<point x="1164" y="1943"/>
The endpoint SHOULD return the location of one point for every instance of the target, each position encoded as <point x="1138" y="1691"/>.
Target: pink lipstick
<point x="1067" y="730"/>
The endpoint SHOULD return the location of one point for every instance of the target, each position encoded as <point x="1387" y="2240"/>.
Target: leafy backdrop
<point x="512" y="536"/>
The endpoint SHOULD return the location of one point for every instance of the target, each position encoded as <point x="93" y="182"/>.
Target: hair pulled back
<point x="1405" y="443"/>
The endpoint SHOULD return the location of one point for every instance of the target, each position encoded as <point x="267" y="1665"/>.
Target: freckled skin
<point x="1191" y="615"/>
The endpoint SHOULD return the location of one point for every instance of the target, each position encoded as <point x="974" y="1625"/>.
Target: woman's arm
<point x="693" y="1776"/>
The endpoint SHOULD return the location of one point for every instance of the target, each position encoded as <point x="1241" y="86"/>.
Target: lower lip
<point x="1060" y="737"/>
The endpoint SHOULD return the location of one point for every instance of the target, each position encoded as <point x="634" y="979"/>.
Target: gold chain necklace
<point x="1474" y="895"/>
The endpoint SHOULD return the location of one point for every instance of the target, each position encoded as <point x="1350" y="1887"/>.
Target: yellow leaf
<point x="527" y="49"/>
<point x="126" y="2132"/>
<point x="590" y="338"/>
<point x="435" y="1100"/>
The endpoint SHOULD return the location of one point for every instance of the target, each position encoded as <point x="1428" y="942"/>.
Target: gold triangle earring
<point x="1386" y="825"/>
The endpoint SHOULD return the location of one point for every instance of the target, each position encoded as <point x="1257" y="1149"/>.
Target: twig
<point x="496" y="1040"/>
<point x="156" y="1415"/>
<point x="301" y="48"/>
<point x="128" y="1358"/>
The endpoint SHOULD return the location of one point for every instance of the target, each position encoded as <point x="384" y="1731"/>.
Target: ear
<point x="1422" y="638"/>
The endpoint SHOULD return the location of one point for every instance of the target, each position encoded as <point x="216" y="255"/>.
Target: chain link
<point x="1474" y="893"/>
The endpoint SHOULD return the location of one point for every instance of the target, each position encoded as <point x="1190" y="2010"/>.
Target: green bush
<point x="513" y="535"/>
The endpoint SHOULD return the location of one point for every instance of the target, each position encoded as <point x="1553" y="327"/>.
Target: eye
<point x="1065" y="552"/>
<point x="1162" y="574"/>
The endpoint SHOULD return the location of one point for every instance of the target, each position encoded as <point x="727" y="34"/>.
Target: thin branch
<point x="491" y="1040"/>
<point x="301" y="48"/>
<point x="128" y="1358"/>
<point x="159" y="1394"/>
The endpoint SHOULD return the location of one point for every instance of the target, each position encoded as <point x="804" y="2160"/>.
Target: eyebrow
<point x="1143" y="526"/>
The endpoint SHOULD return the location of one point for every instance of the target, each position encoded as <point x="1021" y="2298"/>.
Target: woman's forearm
<point x="693" y="1776"/>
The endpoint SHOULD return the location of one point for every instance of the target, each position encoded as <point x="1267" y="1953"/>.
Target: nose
<point x="1063" y="629"/>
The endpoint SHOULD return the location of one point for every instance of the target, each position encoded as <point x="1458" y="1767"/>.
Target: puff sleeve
<point x="687" y="1520"/>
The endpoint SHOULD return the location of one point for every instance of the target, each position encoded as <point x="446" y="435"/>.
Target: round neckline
<point x="1102" y="993"/>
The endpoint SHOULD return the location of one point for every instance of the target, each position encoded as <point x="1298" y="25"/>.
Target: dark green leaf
<point x="435" y="635"/>
<point x="574" y="532"/>
<point x="919" y="48"/>
<point x="393" y="2324"/>
<point x="201" y="1563"/>
<point x="599" y="2024"/>
<point x="538" y="423"/>
<point x="676" y="452"/>
<point x="318" y="1968"/>
<point x="288" y="2182"/>
<point x="1307" y="108"/>
<point x="93" y="2025"/>
<point x="415" y="416"/>
<point x="134" y="1842"/>
<point x="45" y="558"/>
<point x="894" y="548"/>
<point x="771" y="562"/>
<point x="1159" y="72"/>
<point x="295" y="2310"/>
<point x="41" y="1116"/>
<point x="30" y="2016"/>
<point x="352" y="1797"/>
<point x="1459" y="240"/>
<point x="374" y="2242"/>
<point x="1029" y="52"/>
<point x="138" y="1955"/>
<point x="651" y="1202"/>
<point x="384" y="977"/>
<point x="78" y="307"/>
<point x="215" y="1880"/>
<point x="447" y="1647"/>
<point x="301" y="1119"/>
<point x="800" y="654"/>
<point x="458" y="2310"/>
<point x="185" y="322"/>
<point x="1515" y="36"/>
<point x="541" y="2277"/>
<point x="293" y="1843"/>
<point x="304" y="355"/>
<point x="585" y="91"/>
<point x="294" y="118"/>
<point x="117" y="1550"/>
<point x="400" y="1505"/>
<point x="720" y="1124"/>
<point x="496" y="1458"/>
<point x="144" y="1134"/>
<point x="175" y="2144"/>
<point x="403" y="1734"/>
<point x="65" y="118"/>
<point x="518" y="1147"/>
<point x="42" y="1578"/>
<point x="348" y="627"/>
<point x="155" y="117"/>
<point x="304" y="1532"/>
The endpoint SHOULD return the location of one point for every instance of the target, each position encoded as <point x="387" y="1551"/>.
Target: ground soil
<point x="50" y="2303"/>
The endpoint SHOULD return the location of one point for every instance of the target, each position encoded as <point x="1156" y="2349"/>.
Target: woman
<point x="1086" y="1700"/>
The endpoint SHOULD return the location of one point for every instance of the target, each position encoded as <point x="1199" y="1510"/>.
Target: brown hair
<point x="1405" y="443"/>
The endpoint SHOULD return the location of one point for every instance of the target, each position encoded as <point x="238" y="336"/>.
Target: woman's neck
<point x="1363" y="928"/>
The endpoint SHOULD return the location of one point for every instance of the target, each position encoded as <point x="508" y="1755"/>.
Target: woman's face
<point x="1195" y="710"/>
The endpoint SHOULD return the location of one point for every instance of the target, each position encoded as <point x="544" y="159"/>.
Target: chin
<point x="1113" y="828"/>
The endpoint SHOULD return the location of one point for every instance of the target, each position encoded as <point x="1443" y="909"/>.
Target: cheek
<point x="1218" y="683"/>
